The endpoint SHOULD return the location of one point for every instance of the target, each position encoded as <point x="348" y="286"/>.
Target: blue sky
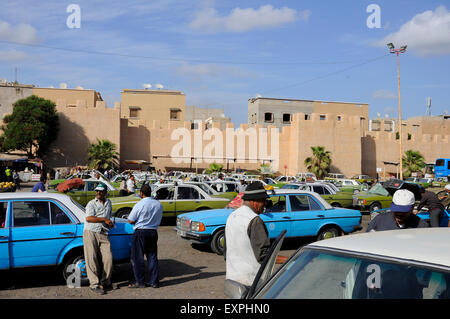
<point x="221" y="53"/>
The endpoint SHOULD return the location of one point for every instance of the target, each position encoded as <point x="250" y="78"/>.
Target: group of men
<point x="145" y="216"/>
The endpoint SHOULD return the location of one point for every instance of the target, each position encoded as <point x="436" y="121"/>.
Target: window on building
<point x="268" y="117"/>
<point x="134" y="111"/>
<point x="307" y="117"/>
<point x="339" y="118"/>
<point x="175" y="114"/>
<point x="286" y="118"/>
<point x="323" y="117"/>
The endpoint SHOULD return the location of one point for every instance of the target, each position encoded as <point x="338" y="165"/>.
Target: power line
<point x="171" y="59"/>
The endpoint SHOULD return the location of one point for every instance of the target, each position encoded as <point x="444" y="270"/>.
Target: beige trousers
<point x="98" y="256"/>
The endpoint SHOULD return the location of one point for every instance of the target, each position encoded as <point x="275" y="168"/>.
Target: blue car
<point x="300" y="213"/>
<point x="46" y="229"/>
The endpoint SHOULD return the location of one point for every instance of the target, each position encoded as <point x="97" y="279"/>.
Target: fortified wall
<point x="82" y="124"/>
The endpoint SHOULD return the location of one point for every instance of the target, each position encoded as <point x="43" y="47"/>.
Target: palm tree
<point x="412" y="162"/>
<point x="319" y="163"/>
<point x="214" y="168"/>
<point x="103" y="155"/>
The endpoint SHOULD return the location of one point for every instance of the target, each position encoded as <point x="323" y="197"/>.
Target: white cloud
<point x="426" y="34"/>
<point x="13" y="56"/>
<point x="240" y="20"/>
<point x="22" y="33"/>
<point x="384" y="94"/>
<point x="211" y="70"/>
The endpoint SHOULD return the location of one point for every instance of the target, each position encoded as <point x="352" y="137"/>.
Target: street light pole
<point x="398" y="51"/>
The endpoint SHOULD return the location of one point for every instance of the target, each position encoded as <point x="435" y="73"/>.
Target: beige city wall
<point x="80" y="126"/>
<point x="341" y="138"/>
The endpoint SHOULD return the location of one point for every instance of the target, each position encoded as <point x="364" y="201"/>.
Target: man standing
<point x="40" y="186"/>
<point x="146" y="216"/>
<point x="434" y="205"/>
<point x="400" y="215"/>
<point x="445" y="199"/>
<point x="246" y="237"/>
<point x="97" y="248"/>
<point x="131" y="185"/>
<point x="242" y="186"/>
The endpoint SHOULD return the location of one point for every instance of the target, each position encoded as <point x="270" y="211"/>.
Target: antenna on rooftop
<point x="429" y="106"/>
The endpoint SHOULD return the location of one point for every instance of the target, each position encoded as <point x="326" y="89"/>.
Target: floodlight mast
<point x="393" y="50"/>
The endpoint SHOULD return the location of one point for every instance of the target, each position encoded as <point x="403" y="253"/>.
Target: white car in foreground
<point x="410" y="263"/>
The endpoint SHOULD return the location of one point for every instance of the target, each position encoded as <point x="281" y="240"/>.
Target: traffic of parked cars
<point x="45" y="229"/>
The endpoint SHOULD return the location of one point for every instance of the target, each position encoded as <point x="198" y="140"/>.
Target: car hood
<point x="124" y="199"/>
<point x="210" y="215"/>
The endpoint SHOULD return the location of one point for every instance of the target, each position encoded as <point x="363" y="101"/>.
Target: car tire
<point x="75" y="266"/>
<point x="123" y="213"/>
<point x="217" y="242"/>
<point x="375" y="206"/>
<point x="328" y="232"/>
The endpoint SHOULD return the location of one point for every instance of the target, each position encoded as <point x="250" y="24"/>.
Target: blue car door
<point x="307" y="215"/>
<point x="277" y="216"/>
<point x="40" y="231"/>
<point x="4" y="236"/>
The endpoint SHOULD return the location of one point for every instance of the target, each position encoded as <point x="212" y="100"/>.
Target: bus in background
<point x="442" y="167"/>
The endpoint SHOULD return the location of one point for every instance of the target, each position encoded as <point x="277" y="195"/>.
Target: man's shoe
<point x="110" y="287"/>
<point x="98" y="290"/>
<point x="136" y="285"/>
<point x="154" y="285"/>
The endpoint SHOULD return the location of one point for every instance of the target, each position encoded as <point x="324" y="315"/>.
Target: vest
<point x="241" y="263"/>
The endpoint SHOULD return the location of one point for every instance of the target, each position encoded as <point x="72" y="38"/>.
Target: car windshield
<point x="315" y="274"/>
<point x="78" y="204"/>
<point x="378" y="189"/>
<point x="410" y="179"/>
<point x="423" y="180"/>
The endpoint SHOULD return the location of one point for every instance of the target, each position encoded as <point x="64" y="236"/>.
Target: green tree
<point x="214" y="168"/>
<point x="319" y="163"/>
<point x="32" y="126"/>
<point x="412" y="162"/>
<point x="103" y="155"/>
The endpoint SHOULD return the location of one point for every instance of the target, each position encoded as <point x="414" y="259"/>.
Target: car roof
<point x="63" y="198"/>
<point x="427" y="245"/>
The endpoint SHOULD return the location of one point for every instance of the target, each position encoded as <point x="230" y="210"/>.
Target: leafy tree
<point x="319" y="163"/>
<point x="214" y="168"/>
<point x="412" y="162"/>
<point x="265" y="169"/>
<point x="103" y="155"/>
<point x="32" y="126"/>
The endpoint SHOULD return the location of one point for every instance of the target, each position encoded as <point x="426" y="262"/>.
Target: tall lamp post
<point x="392" y="49"/>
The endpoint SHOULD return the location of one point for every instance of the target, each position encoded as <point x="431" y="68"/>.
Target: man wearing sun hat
<point x="97" y="247"/>
<point x="400" y="215"/>
<point x="246" y="237"/>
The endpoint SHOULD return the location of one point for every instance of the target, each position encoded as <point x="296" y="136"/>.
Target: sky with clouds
<point x="221" y="53"/>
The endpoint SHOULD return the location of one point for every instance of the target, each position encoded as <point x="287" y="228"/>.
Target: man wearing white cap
<point x="400" y="215"/>
<point x="97" y="247"/>
<point x="445" y="199"/>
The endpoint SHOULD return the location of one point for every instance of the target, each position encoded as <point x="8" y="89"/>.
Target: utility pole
<point x="398" y="51"/>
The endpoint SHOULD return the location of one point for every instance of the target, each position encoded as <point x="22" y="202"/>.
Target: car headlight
<point x="197" y="226"/>
<point x="362" y="202"/>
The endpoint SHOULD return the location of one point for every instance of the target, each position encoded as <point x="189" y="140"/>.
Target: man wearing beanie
<point x="400" y="215"/>
<point x="246" y="237"/>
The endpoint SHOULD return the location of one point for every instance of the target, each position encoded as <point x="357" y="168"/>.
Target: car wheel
<point x="217" y="242"/>
<point x="123" y="213"/>
<point x="74" y="272"/>
<point x="328" y="232"/>
<point x="375" y="206"/>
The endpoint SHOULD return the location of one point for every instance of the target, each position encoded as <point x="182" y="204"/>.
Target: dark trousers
<point x="436" y="217"/>
<point x="145" y="242"/>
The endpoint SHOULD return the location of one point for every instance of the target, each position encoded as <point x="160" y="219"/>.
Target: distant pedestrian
<point x="40" y="186"/>
<point x="131" y="185"/>
<point x="434" y="205"/>
<point x="400" y="214"/>
<point x="242" y="186"/>
<point x="16" y="179"/>
<point x="146" y="216"/>
<point x="97" y="247"/>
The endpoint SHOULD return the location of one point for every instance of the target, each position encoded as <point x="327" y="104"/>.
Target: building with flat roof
<point x="279" y="112"/>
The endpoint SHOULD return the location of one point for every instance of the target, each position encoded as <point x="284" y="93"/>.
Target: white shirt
<point x="130" y="186"/>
